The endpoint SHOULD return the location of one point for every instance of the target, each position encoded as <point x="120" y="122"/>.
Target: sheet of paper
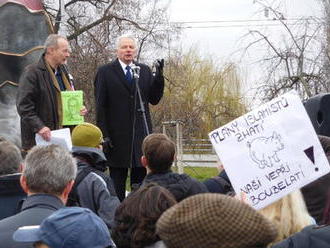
<point x="60" y="137"/>
<point x="72" y="102"/>
<point x="271" y="151"/>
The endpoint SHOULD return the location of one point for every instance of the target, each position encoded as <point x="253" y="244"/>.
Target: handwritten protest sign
<point x="270" y="151"/>
<point x="72" y="102"/>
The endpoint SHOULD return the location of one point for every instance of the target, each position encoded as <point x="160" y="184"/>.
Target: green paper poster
<point x="72" y="102"/>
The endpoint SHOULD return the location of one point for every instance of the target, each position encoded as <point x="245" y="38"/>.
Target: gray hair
<point x="10" y="158"/>
<point x="52" y="40"/>
<point x="49" y="169"/>
<point x="126" y="36"/>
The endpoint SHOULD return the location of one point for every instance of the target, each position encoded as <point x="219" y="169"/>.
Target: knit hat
<point x="86" y="134"/>
<point x="214" y="221"/>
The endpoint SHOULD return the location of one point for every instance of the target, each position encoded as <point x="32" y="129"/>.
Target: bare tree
<point x="93" y="26"/>
<point x="326" y="55"/>
<point x="296" y="62"/>
<point x="109" y="18"/>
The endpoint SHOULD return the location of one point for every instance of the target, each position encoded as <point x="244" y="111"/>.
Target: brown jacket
<point x="36" y="102"/>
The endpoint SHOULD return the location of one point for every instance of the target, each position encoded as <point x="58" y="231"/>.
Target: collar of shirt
<point x="123" y="65"/>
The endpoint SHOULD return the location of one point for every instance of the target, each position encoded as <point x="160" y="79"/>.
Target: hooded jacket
<point x="96" y="190"/>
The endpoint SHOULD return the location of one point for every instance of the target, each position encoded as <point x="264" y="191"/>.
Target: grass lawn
<point x="200" y="173"/>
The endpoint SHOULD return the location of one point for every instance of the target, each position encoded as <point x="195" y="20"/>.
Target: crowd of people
<point x="56" y="198"/>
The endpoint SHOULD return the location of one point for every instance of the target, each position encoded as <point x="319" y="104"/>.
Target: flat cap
<point x="214" y="221"/>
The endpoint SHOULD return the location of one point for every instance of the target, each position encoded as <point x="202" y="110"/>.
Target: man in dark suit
<point x="119" y="112"/>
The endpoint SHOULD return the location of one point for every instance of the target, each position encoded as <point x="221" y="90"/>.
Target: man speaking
<point x="122" y="119"/>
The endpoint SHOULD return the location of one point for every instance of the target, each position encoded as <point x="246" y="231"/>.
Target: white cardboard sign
<point x="271" y="151"/>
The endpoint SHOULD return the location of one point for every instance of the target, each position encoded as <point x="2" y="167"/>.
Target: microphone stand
<point x="136" y="76"/>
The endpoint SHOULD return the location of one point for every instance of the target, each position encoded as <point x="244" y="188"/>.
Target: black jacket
<point x="11" y="194"/>
<point x="310" y="237"/>
<point x="180" y="185"/>
<point x="35" y="209"/>
<point x="315" y="193"/>
<point x="118" y="111"/>
<point x="219" y="184"/>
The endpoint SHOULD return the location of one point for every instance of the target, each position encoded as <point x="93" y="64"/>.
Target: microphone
<point x="136" y="71"/>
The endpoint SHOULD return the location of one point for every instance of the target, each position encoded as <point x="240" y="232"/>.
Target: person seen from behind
<point x="92" y="189"/>
<point x="214" y="221"/>
<point x="158" y="156"/>
<point x="289" y="214"/>
<point x="47" y="178"/>
<point x="11" y="192"/>
<point x="137" y="215"/>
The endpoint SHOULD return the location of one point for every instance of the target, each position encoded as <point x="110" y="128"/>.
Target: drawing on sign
<point x="73" y="109"/>
<point x="263" y="150"/>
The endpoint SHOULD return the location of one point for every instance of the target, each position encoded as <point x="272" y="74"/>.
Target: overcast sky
<point x="222" y="41"/>
<point x="223" y="38"/>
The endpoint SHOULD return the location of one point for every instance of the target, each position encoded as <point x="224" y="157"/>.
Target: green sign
<point x="72" y="103"/>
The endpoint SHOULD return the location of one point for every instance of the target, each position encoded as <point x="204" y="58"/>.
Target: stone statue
<point x="24" y="26"/>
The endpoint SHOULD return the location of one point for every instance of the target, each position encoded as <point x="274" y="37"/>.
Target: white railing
<point x="192" y="152"/>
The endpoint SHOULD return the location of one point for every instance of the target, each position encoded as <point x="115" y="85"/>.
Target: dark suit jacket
<point x="118" y="115"/>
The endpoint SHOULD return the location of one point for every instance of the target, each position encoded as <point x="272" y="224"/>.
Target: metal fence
<point x="199" y="152"/>
<point x="190" y="152"/>
<point x="197" y="146"/>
